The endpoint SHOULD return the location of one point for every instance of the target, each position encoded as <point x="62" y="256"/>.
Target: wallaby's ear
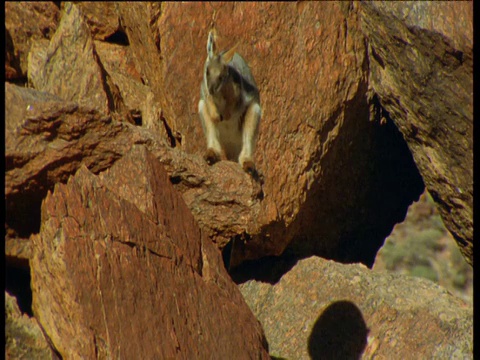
<point x="211" y="45"/>
<point x="228" y="55"/>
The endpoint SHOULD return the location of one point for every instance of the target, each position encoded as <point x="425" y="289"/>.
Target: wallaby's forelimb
<point x="249" y="135"/>
<point x="214" y="149"/>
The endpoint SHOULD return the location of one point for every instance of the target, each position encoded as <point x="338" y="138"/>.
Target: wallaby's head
<point x="216" y="70"/>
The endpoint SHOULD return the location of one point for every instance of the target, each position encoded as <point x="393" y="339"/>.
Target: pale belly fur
<point x="230" y="136"/>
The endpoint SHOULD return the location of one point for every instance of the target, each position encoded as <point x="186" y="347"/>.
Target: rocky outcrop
<point x="421" y="69"/>
<point x="48" y="139"/>
<point x="103" y="20"/>
<point x="111" y="248"/>
<point x="350" y="312"/>
<point x="314" y="130"/>
<point x="24" y="24"/>
<point x="297" y="205"/>
<point x="68" y="65"/>
<point x="105" y="134"/>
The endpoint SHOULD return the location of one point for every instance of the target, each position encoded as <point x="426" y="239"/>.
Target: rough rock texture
<point x="123" y="245"/>
<point x="46" y="140"/>
<point x="23" y="337"/>
<point x="102" y="19"/>
<point x="68" y="67"/>
<point x="336" y="172"/>
<point x="18" y="249"/>
<point x="137" y="19"/>
<point x="26" y="22"/>
<point x="350" y="312"/>
<point x="310" y="145"/>
<point x="118" y="63"/>
<point x="421" y="68"/>
<point x="314" y="130"/>
<point x="303" y="143"/>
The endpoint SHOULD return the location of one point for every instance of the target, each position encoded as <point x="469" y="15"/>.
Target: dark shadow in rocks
<point x="370" y="180"/>
<point x="22" y="216"/>
<point x="17" y="283"/>
<point x="13" y="60"/>
<point x="137" y="117"/>
<point x="339" y="333"/>
<point x="268" y="269"/>
<point x="118" y="37"/>
<point x="395" y="183"/>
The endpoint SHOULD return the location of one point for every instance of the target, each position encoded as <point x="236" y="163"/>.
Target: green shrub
<point x="425" y="272"/>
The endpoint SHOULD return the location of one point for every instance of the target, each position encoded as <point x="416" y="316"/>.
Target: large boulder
<point x="334" y="181"/>
<point x="68" y="65"/>
<point x="421" y="69"/>
<point x="25" y="23"/>
<point x="47" y="138"/>
<point x="121" y="269"/>
<point x="351" y="312"/>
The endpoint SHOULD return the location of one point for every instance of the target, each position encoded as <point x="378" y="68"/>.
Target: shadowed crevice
<point x="17" y="283"/>
<point x="118" y="37"/>
<point x="371" y="181"/>
<point x="268" y="269"/>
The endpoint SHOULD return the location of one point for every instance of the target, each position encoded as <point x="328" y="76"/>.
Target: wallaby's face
<point x="216" y="72"/>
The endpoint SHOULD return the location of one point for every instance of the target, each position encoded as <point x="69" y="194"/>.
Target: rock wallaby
<point x="229" y="107"/>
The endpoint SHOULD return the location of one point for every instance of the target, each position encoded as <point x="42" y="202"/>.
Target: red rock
<point x="46" y="141"/>
<point x="133" y="96"/>
<point x="101" y="17"/>
<point x="316" y="144"/>
<point x="26" y="22"/>
<point x="69" y="66"/>
<point x="145" y="51"/>
<point x="113" y="279"/>
<point x="306" y="145"/>
<point x="421" y="67"/>
<point x="18" y="249"/>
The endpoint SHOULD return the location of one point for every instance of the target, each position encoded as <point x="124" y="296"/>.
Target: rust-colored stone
<point x="421" y="68"/>
<point x="101" y="17"/>
<point x="46" y="140"/>
<point x="121" y="269"/>
<point x="26" y="22"/>
<point x="68" y="67"/>
<point x="309" y="61"/>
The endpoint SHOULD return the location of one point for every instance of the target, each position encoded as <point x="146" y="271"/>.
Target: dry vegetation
<point x="421" y="246"/>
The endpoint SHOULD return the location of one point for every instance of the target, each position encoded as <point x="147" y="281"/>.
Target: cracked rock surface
<point x="108" y="251"/>
<point x="127" y="232"/>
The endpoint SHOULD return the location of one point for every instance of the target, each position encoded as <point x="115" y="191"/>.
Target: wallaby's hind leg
<point x="249" y="135"/>
<point x="214" y="151"/>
